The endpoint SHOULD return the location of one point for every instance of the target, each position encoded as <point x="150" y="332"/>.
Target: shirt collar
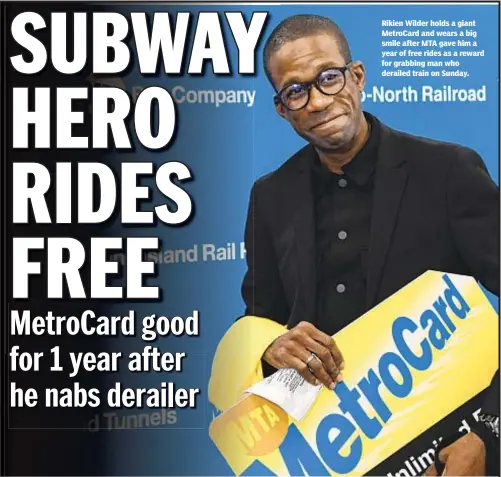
<point x="360" y="168"/>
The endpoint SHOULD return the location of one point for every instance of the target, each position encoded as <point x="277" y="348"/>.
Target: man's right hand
<point x="294" y="350"/>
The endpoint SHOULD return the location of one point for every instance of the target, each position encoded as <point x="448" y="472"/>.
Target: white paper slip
<point x="289" y="390"/>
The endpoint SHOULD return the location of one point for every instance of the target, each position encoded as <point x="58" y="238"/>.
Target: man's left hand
<point x="466" y="456"/>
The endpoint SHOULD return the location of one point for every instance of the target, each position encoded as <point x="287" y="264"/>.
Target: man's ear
<point x="280" y="110"/>
<point x="358" y="73"/>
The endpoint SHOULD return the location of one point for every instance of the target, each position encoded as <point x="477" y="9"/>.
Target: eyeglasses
<point x="296" y="96"/>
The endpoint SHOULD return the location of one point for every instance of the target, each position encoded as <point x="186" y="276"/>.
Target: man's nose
<point x="318" y="101"/>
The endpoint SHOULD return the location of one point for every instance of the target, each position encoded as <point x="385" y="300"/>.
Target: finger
<point x="300" y="339"/>
<point x="327" y="341"/>
<point x="303" y="370"/>
<point x="456" y="471"/>
<point x="325" y="357"/>
<point x="431" y="470"/>
<point x="458" y="467"/>
<point x="337" y="355"/>
<point x="316" y="367"/>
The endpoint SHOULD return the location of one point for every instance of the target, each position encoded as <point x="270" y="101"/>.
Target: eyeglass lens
<point x="329" y="82"/>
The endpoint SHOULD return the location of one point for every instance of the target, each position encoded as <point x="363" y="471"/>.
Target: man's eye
<point x="294" y="90"/>
<point x="330" y="76"/>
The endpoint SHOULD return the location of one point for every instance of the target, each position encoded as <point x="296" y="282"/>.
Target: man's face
<point x="328" y="122"/>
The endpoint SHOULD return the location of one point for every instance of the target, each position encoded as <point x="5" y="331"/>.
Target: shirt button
<point x="340" y="288"/>
<point x="342" y="235"/>
<point x="342" y="182"/>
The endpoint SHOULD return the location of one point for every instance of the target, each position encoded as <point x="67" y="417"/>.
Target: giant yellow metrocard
<point x="410" y="362"/>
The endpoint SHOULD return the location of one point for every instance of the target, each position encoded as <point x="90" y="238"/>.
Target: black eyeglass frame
<point x="277" y="99"/>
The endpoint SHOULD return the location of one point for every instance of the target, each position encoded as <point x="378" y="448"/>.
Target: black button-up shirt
<point x="343" y="206"/>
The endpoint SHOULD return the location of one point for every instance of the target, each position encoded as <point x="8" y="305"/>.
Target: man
<point x="356" y="215"/>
